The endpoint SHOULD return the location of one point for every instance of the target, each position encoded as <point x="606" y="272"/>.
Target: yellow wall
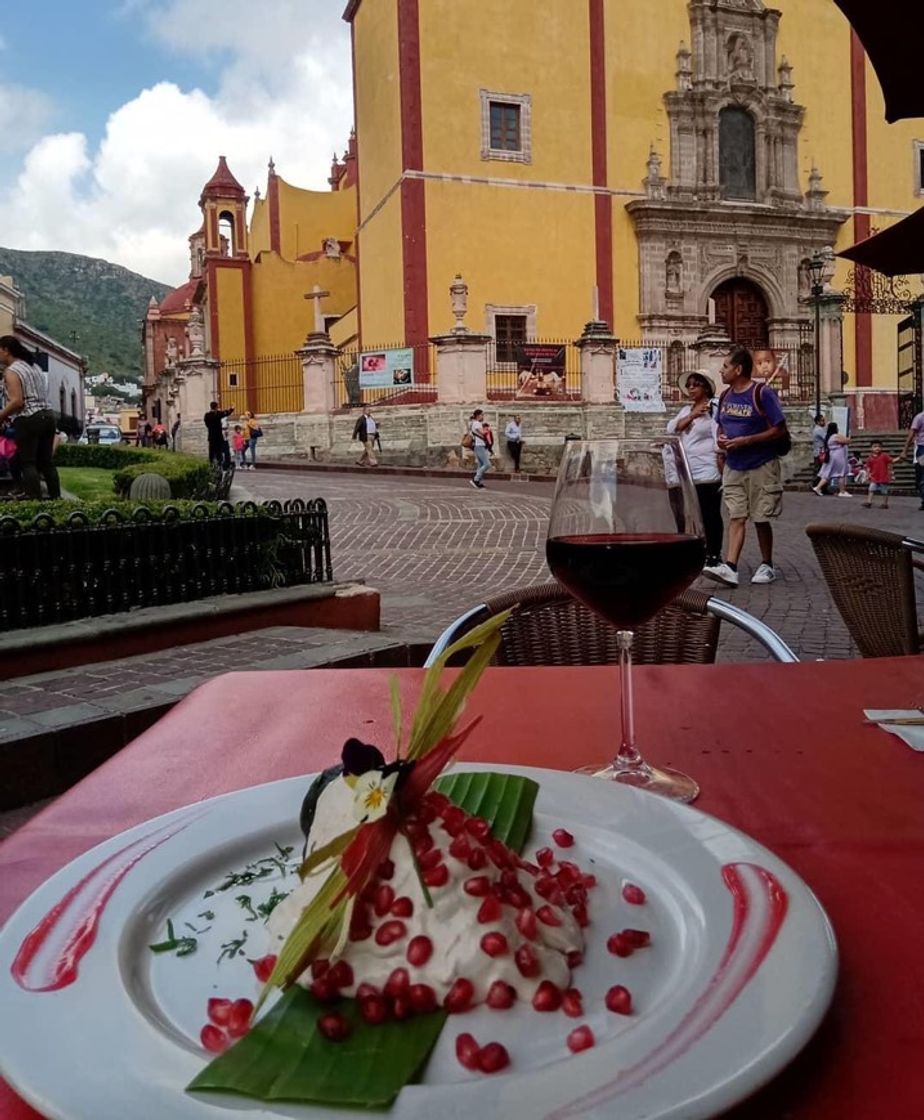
<point x="378" y="101"/>
<point x="344" y="332"/>
<point x="306" y="218"/>
<point x="282" y="316"/>
<point x="259" y="237"/>
<point x="230" y="293"/>
<point x="382" y="276"/>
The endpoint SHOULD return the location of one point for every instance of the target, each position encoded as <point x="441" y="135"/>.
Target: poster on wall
<point x="540" y="369"/>
<point x="383" y="369"/>
<point x="638" y="378"/>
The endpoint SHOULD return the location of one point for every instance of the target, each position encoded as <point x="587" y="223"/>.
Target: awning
<point x="897" y="251"/>
<point x="889" y="31"/>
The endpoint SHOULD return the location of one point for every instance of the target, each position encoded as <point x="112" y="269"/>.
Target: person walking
<point x="26" y="397"/>
<point x="879" y="472"/>
<point x="752" y="435"/>
<point x="835" y="466"/>
<point x="239" y="442"/>
<point x="916" y="437"/>
<point x="215" y="420"/>
<point x="513" y="434"/>
<point x="175" y="431"/>
<point x="365" y="430"/>
<point x="696" y="426"/>
<point x="818" y="440"/>
<point x="480" y="448"/>
<point x="252" y="432"/>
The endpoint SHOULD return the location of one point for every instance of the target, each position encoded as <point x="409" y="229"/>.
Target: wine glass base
<point x="664" y="781"/>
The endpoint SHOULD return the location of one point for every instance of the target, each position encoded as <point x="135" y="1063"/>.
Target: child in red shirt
<point x="879" y="469"/>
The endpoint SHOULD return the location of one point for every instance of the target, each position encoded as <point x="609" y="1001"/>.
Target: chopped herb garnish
<point x="204" y="929"/>
<point x="259" y="869"/>
<point x="182" y="946"/>
<point x="243" y="900"/>
<point x="233" y="948"/>
<point x="208" y="915"/>
<point x="264" y="909"/>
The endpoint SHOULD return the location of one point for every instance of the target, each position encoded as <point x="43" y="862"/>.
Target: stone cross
<point x="317" y="295"/>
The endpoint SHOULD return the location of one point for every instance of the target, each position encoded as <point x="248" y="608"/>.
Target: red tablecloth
<point x="780" y="751"/>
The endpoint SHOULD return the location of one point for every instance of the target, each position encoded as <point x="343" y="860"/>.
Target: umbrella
<point x="897" y="251"/>
<point x="888" y="31"/>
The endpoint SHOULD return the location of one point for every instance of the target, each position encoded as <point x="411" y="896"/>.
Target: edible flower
<point x="372" y="794"/>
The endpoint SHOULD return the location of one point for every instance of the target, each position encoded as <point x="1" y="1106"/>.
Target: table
<point x="780" y="751"/>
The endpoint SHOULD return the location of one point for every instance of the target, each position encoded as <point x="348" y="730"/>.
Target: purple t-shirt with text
<point x="739" y="416"/>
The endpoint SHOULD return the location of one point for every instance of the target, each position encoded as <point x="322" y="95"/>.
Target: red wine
<point x="626" y="577"/>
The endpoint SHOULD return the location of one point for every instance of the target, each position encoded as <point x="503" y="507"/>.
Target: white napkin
<point x="913" y="736"/>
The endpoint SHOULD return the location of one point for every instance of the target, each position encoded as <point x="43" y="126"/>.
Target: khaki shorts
<point x="755" y="494"/>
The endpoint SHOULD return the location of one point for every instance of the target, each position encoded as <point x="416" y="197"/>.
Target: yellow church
<point x="653" y="165"/>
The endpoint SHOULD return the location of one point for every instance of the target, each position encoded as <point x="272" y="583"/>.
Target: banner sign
<point x="540" y="369"/>
<point x="638" y="379"/>
<point x="380" y="369"/>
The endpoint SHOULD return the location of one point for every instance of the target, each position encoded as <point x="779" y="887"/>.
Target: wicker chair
<point x="870" y="574"/>
<point x="549" y="627"/>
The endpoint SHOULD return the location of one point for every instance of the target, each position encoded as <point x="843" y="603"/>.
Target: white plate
<point x="722" y="1003"/>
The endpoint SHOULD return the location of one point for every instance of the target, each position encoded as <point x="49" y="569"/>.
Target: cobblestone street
<point x="434" y="548"/>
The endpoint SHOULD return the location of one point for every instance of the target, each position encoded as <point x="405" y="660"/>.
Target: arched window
<point x="61" y="400"/>
<point x="737" y="162"/>
<point x="226" y="233"/>
<point x="73" y="402"/>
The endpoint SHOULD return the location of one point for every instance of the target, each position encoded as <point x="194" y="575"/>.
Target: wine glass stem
<point x="628" y="756"/>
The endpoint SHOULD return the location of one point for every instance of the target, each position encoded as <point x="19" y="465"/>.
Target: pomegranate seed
<point x="423" y="998"/>
<point x="453" y="820"/>
<point x="544" y="857"/>
<point x="219" y="1010"/>
<point x="501" y="996"/>
<point x="572" y="1003"/>
<point x="335" y="1027"/>
<point x="419" y="951"/>
<point x="526" y="923"/>
<point x="423" y="844"/>
<point x="467" y="1050"/>
<point x="527" y="961"/>
<point x="460" y="848"/>
<point x="547" y="888"/>
<point x="519" y="898"/>
<point x="492" y="1058"/>
<point x="427" y="813"/>
<point x="532" y="868"/>
<point x="547" y="916"/>
<point x="430" y="859"/>
<point x="547" y="997"/>
<point x="437" y="801"/>
<point x="619" y="999"/>
<point x="637" y="938"/>
<point x="239" y="1018"/>
<point x="324" y="991"/>
<point x="437" y="876"/>
<point x="389" y="932"/>
<point x="490" y="910"/>
<point x="397" y="983"/>
<point x="319" y="968"/>
<point x="386" y="869"/>
<point x="364" y="991"/>
<point x="568" y="873"/>
<point x="373" y="1009"/>
<point x="459" y="997"/>
<point x="401" y="1007"/>
<point x="581" y="1038"/>
<point x="402" y="907"/>
<point x="575" y="958"/>
<point x="563" y="838"/>
<point x="494" y="944"/>
<point x="579" y="913"/>
<point x="576" y="895"/>
<point x="383" y="899"/>
<point x="360" y="931"/>
<point x="478" y="827"/>
<point x="263" y="967"/>
<point x="499" y="854"/>
<point x="589" y="881"/>
<point x="341" y="975"/>
<point x="478" y="886"/>
<point x="214" y="1039"/>
<point x="634" y="895"/>
<point x="415" y="828"/>
<point x="618" y="946"/>
<point x="478" y="859"/>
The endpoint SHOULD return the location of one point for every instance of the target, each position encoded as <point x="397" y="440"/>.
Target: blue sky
<point x="113" y="113"/>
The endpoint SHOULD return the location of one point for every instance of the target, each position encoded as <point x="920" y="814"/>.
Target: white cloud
<point x="284" y="90"/>
<point x="24" y="113"/>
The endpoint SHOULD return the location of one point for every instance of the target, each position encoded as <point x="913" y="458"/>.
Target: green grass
<point x="88" y="483"/>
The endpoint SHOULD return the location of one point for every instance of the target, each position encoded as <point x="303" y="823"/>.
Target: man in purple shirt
<point x="916" y="437"/>
<point x="751" y="424"/>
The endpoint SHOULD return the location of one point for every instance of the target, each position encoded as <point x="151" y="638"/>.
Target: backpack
<point x="256" y="431"/>
<point x="781" y="446"/>
<point x="468" y="441"/>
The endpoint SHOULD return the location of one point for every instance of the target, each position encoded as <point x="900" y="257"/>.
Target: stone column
<point x="712" y="347"/>
<point x="461" y="366"/>
<point x="196" y="380"/>
<point x="319" y="369"/>
<point x="831" y="342"/>
<point x="598" y="363"/>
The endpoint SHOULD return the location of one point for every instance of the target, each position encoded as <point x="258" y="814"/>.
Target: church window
<point x="506" y="130"/>
<point x="919" y="167"/>
<point x="62" y="400"/>
<point x="226" y="233"/>
<point x="509" y="330"/>
<point x="737" y="163"/>
<point x="73" y="402"/>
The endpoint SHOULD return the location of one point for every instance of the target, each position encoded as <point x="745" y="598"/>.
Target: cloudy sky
<point x="113" y="114"/>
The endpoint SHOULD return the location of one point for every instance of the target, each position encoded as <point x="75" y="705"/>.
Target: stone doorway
<point x="741" y="308"/>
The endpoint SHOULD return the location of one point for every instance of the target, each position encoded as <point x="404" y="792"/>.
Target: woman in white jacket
<point x="695" y="424"/>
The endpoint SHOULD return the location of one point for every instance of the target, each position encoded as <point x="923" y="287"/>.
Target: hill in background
<point x="102" y="303"/>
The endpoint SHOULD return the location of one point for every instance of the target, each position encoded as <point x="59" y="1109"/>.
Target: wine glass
<point x="626" y="537"/>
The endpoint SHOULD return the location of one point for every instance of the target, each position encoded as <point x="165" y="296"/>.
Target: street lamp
<point x="816" y="270"/>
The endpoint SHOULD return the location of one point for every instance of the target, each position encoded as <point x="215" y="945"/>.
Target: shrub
<point x="61" y="512"/>
<point x="188" y="475"/>
<point x="107" y="458"/>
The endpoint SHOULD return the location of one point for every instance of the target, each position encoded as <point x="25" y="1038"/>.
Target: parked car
<point x="107" y="434"/>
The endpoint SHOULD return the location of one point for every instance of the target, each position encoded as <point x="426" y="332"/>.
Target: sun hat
<point x="684" y="378"/>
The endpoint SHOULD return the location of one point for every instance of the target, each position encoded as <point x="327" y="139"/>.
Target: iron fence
<point x="540" y="369"/>
<point x="790" y="370"/>
<point x="402" y="384"/>
<point x="52" y="572"/>
<point x="267" y="385"/>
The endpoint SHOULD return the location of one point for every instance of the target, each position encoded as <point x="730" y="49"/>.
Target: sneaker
<point x="721" y="573"/>
<point x="764" y="574"/>
<point x="476" y="485"/>
<point x="845" y="494"/>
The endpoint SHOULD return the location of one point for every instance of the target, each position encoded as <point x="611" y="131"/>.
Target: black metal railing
<point x="414" y="385"/>
<point x="51" y="572"/>
<point x="264" y="386"/>
<point x="539" y="370"/>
